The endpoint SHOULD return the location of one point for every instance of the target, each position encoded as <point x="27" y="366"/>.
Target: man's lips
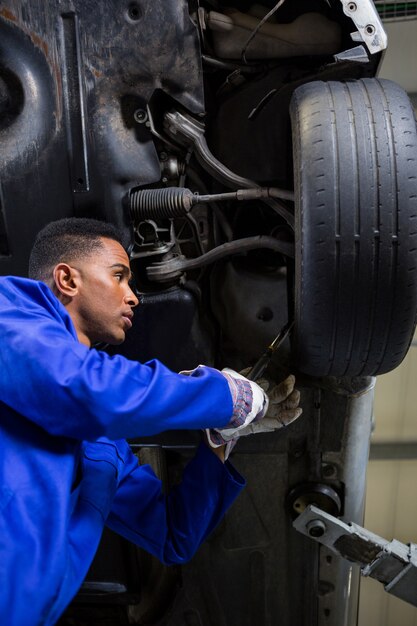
<point x="128" y="320"/>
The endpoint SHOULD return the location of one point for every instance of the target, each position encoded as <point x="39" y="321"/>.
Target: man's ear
<point x="67" y="280"/>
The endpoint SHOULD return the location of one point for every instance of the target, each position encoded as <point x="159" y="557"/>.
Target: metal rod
<point x="262" y="363"/>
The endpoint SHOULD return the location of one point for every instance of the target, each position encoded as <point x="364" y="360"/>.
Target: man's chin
<point x="116" y="341"/>
<point x="113" y="340"/>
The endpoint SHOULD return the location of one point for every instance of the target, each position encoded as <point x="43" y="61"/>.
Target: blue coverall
<point x="65" y="468"/>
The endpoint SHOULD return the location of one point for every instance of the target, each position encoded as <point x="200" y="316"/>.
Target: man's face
<point x="102" y="308"/>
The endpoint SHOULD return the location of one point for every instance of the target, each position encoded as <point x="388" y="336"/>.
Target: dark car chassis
<point x="259" y="179"/>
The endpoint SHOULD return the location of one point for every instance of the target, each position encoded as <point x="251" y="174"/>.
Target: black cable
<point x="261" y="23"/>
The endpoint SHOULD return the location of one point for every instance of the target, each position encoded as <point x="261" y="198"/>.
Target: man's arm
<point x="219" y="452"/>
<point x="67" y="389"/>
<point x="173" y="527"/>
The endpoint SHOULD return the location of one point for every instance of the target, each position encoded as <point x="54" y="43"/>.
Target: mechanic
<point x="66" y="409"/>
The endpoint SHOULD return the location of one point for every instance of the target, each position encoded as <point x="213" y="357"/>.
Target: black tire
<point x="355" y="164"/>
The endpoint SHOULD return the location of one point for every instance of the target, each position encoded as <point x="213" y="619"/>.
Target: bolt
<point x="329" y="470"/>
<point x="369" y="29"/>
<point x="316" y="528"/>
<point x="352" y="6"/>
<point x="140" y="116"/>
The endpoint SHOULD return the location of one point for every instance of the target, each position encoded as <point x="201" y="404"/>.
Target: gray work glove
<point x="283" y="409"/>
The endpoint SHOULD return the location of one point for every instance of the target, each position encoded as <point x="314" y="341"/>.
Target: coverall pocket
<point x="101" y="469"/>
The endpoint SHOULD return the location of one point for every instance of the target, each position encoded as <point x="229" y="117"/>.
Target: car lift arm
<point x="392" y="563"/>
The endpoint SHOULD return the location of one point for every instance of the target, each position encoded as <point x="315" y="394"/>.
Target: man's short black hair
<point x="65" y="241"/>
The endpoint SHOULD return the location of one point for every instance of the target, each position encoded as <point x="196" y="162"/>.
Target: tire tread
<point x="355" y="151"/>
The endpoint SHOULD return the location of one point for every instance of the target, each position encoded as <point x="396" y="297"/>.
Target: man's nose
<point x="131" y="299"/>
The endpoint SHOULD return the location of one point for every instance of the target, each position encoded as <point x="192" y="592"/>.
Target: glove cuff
<point x="250" y="402"/>
<point x="216" y="440"/>
<point x="214" y="437"/>
<point x="242" y="398"/>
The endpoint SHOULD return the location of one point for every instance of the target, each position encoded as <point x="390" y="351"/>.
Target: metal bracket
<point x="366" y="19"/>
<point x="392" y="563"/>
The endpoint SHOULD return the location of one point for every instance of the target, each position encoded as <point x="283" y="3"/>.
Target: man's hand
<point x="283" y="409"/>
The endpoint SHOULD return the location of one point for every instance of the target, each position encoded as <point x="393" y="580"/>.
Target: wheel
<point x="355" y="170"/>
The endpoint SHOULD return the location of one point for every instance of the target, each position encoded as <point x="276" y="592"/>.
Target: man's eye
<point x="119" y="277"/>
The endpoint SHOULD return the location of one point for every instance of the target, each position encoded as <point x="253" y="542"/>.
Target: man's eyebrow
<point x="125" y="269"/>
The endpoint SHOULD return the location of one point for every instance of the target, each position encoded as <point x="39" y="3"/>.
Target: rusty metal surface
<point x="72" y="76"/>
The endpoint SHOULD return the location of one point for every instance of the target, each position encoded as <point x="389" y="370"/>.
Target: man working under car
<point x="66" y="409"/>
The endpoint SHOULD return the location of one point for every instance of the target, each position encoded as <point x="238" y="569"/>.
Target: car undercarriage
<point x="262" y="177"/>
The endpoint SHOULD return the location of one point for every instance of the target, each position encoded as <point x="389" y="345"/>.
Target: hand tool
<point x="263" y="362"/>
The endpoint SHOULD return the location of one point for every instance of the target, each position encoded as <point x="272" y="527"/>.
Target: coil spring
<point x="160" y="203"/>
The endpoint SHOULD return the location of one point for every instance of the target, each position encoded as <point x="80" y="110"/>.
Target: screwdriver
<point x="263" y="362"/>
